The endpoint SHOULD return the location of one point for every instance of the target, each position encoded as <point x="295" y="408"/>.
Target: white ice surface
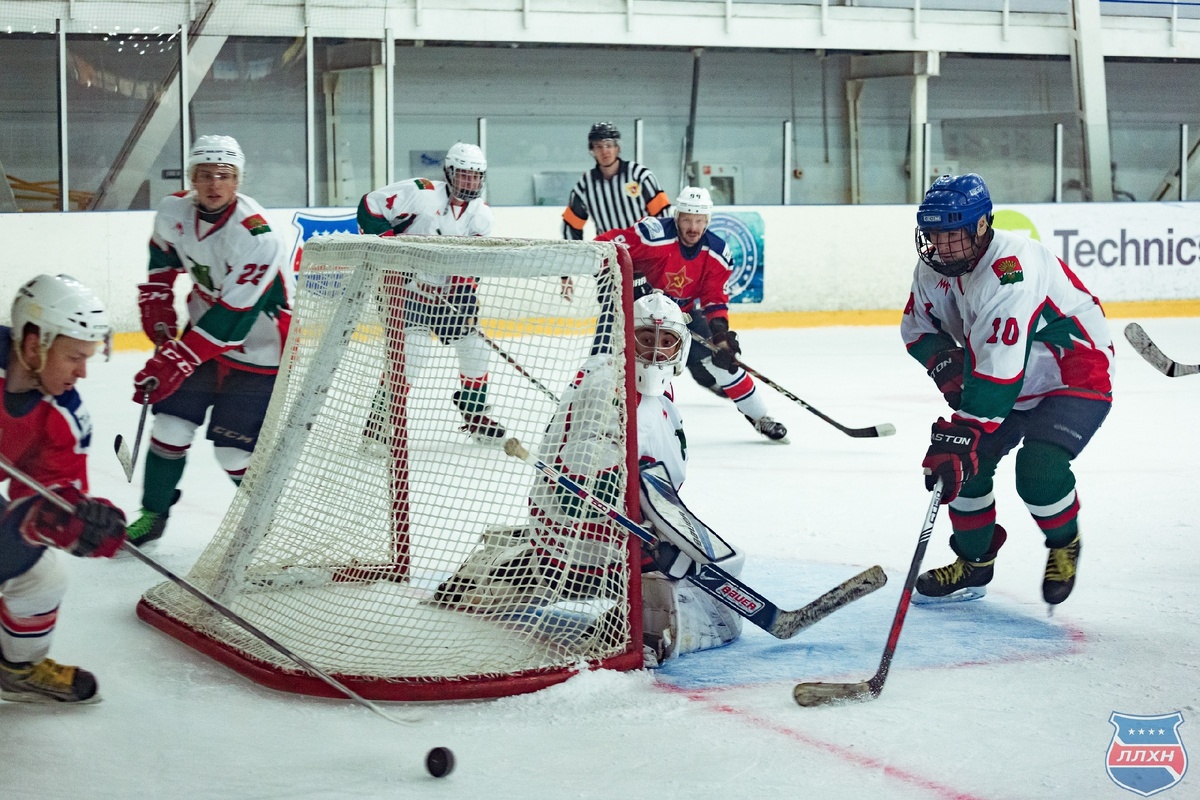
<point x="175" y="724"/>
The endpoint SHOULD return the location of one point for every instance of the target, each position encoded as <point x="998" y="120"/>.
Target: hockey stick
<point x="1148" y="350"/>
<point x="220" y="608"/>
<point x="717" y="582"/>
<point x="129" y="460"/>
<point x="885" y="429"/>
<point x="817" y="693"/>
<point x="524" y="373"/>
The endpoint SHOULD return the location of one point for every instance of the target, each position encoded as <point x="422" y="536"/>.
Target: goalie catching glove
<point x="95" y="530"/>
<point x="728" y="349"/>
<point x="946" y="368"/>
<point x="952" y="456"/>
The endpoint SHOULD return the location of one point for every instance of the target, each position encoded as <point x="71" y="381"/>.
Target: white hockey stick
<point x="1148" y="350"/>
<point x="129" y="460"/>
<point x="816" y="693"/>
<point x="717" y="582"/>
<point x="223" y="610"/>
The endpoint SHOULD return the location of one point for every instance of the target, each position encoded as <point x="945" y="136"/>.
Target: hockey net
<point x="378" y="539"/>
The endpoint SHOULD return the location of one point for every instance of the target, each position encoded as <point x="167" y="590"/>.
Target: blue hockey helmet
<point x="953" y="202"/>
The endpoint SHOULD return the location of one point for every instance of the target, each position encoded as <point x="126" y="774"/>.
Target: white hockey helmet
<point x="694" y="200"/>
<point x="466" y="158"/>
<point x="661" y="342"/>
<point x="59" y="305"/>
<point x="211" y="149"/>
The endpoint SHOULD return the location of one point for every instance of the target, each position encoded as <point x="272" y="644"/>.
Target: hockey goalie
<point x="568" y="550"/>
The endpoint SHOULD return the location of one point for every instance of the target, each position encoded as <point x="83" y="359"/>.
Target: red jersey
<point x="686" y="275"/>
<point x="45" y="437"/>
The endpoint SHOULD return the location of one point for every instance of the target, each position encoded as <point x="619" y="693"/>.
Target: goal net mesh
<point x="381" y="532"/>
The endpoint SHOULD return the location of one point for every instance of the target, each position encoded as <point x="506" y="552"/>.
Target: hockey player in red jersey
<point x="239" y="311"/>
<point x="1021" y="351"/>
<point x="57" y="325"/>
<point x="454" y="207"/>
<point x="690" y="264"/>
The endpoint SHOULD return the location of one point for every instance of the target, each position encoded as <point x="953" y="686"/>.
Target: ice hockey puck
<point x="440" y="762"/>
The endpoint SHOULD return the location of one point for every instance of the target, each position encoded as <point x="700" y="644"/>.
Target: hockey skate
<point x="150" y="525"/>
<point x="961" y="580"/>
<point x="46" y="682"/>
<point x="768" y="427"/>
<point x="1061" y="566"/>
<point x="476" y="423"/>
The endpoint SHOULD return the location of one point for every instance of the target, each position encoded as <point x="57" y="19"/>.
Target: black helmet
<point x="601" y="131"/>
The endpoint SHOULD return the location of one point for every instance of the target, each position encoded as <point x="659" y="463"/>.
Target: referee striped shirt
<point x="616" y="202"/>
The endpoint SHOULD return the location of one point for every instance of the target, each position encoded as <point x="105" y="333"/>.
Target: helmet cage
<point x="954" y="203"/>
<point x="463" y="160"/>
<point x="662" y="342"/>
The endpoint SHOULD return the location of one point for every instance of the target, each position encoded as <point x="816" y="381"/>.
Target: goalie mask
<point x="465" y="168"/>
<point x="59" y="305"/>
<point x="661" y="342"/>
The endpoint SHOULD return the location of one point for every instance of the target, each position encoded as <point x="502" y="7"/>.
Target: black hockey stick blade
<point x="789" y="623"/>
<point x="1148" y="350"/>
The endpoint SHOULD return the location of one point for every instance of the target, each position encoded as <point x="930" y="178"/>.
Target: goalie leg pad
<point x="503" y="574"/>
<point x="704" y="622"/>
<point x="678" y="527"/>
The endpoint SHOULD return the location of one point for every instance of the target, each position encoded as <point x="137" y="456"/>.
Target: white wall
<point x="818" y="258"/>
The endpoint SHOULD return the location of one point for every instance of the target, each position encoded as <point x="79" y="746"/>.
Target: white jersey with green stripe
<point x="242" y="283"/>
<point x="1029" y="326"/>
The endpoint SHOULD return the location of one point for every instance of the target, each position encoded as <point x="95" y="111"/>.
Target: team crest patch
<point x="1008" y="270"/>
<point x="632" y="189"/>
<point x="256" y="225"/>
<point x="1146" y="755"/>
<point x="422" y="183"/>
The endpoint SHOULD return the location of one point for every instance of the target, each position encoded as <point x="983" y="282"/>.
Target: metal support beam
<point x="1091" y="93"/>
<point x="152" y="130"/>
<point x="310" y="122"/>
<point x="389" y="105"/>
<point x="639" y="140"/>
<point x="786" y="193"/>
<point x="64" y="155"/>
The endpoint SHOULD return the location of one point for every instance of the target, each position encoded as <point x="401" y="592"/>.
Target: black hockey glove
<point x="946" y="368"/>
<point x="728" y="349"/>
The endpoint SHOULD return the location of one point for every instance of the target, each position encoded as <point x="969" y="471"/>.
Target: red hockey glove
<point x="728" y="349"/>
<point x="165" y="371"/>
<point x="946" y="369"/>
<point x="95" y="530"/>
<point x="157" y="302"/>
<point x="952" y="456"/>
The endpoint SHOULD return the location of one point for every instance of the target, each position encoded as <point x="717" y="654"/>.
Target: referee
<point x="613" y="194"/>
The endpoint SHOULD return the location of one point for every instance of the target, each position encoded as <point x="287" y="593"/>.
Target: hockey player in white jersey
<point x="1022" y="354"/>
<point x="239" y="311"/>
<point x="564" y="546"/>
<point x="448" y="308"/>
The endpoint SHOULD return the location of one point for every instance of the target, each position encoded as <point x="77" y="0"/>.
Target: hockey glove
<point x="165" y="371"/>
<point x="946" y="369"/>
<point x="728" y="349"/>
<point x="95" y="530"/>
<point x="952" y="456"/>
<point x="157" y="302"/>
